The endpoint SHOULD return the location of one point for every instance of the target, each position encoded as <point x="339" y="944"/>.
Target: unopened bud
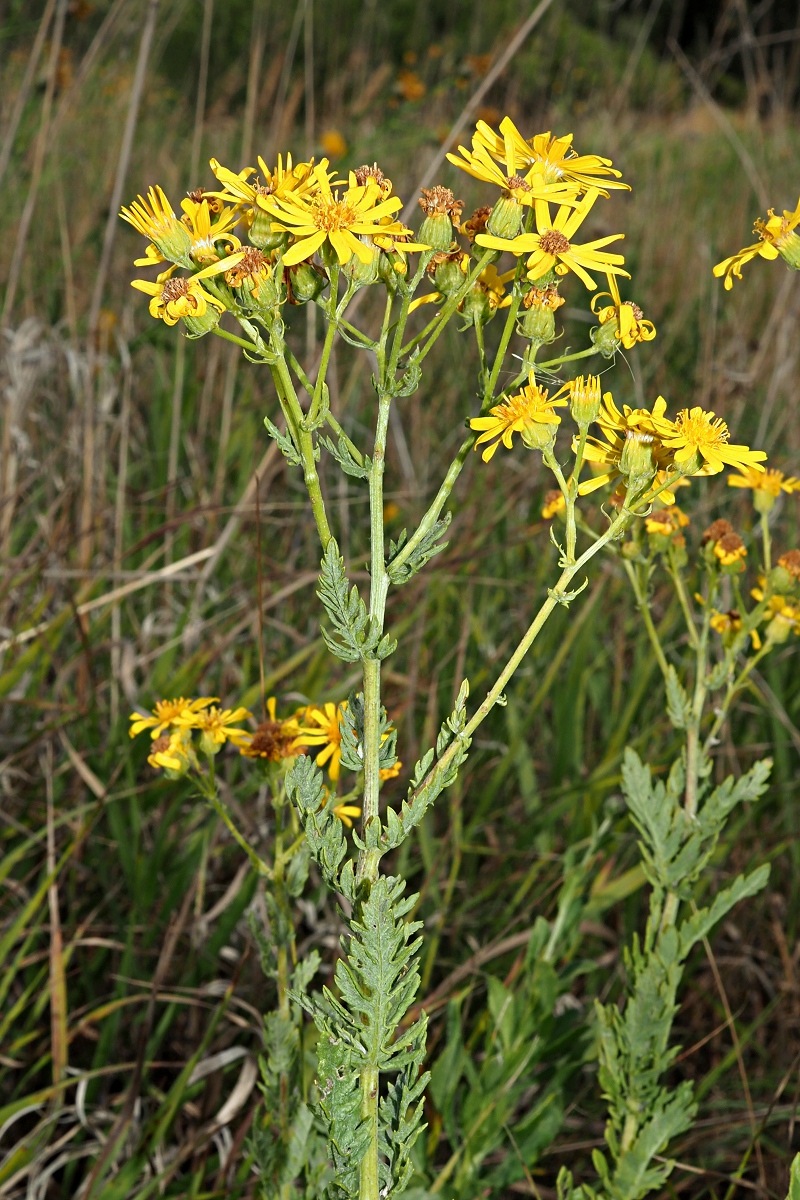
<point x="585" y="400"/>
<point x="363" y="273"/>
<point x="636" y="461"/>
<point x="449" y="275"/>
<point x="506" y="218"/>
<point x="538" y="322"/>
<point x="261" y="235"/>
<point x="605" y="338"/>
<point x="788" y="247"/>
<point x="306" y="282"/>
<point x="197" y="327"/>
<point x="477" y="307"/>
<point x="539" y="435"/>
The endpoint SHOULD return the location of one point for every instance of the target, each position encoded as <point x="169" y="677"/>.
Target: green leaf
<point x="700" y="924"/>
<point x="346" y="459"/>
<point x="285" y="444"/>
<point x="323" y="829"/>
<point x="426" y="548"/>
<point x="678" y="705"/>
<point x="794" y="1179"/>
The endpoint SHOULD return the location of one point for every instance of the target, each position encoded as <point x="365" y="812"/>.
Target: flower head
<point x="173" y="752"/>
<point x="698" y="443"/>
<point x="284" y="180"/>
<point x="347" y="813"/>
<point x="173" y="297"/>
<point x="766" y="485"/>
<point x="790" y="562"/>
<point x="216" y="726"/>
<point x="626" y="430"/>
<point x="528" y="413"/>
<point x="524" y="189"/>
<point x="552" y="157"/>
<point x="726" y="623"/>
<point x="373" y="172"/>
<point x="776" y="237"/>
<point x="554" y="503"/>
<point x="154" y="217"/>
<point x="665" y="522"/>
<point x="623" y="319"/>
<point x="341" y="219"/>
<point x="274" y="739"/>
<point x="323" y="727"/>
<point x="551" y="247"/>
<point x="251" y="271"/>
<point x="165" y="714"/>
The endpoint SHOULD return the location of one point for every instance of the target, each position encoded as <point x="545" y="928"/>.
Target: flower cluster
<point x="776" y="239"/>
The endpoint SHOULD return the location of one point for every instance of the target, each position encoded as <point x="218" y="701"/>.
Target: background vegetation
<point x="145" y="520"/>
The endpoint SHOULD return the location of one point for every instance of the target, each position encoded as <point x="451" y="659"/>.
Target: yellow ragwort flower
<point x="172" y="751"/>
<point x="554" y="503"/>
<point x="173" y="297"/>
<point x="770" y="480"/>
<point x="347" y="813"/>
<point x="698" y="443"/>
<point x="524" y="189"/>
<point x="341" y="219"/>
<point x="274" y="738"/>
<point x="203" y="233"/>
<point x="216" y="726"/>
<point x="776" y="238"/>
<point x="528" y="413"/>
<point x="631" y="326"/>
<point x="283" y="181"/>
<point x="730" y="549"/>
<point x="666" y="521"/>
<point x="552" y="157"/>
<point x="551" y="247"/>
<point x="324" y="729"/>
<point x="154" y="217"/>
<point x="726" y="622"/>
<point x="619" y="425"/>
<point x="391" y="772"/>
<point x="166" y="713"/>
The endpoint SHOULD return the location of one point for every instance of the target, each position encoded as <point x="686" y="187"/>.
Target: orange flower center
<point x="331" y="214"/>
<point x="175" y="289"/>
<point x="553" y="242"/>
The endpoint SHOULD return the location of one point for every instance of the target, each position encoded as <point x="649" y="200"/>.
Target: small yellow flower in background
<point x="274" y="739"/>
<point x="166" y="713"/>
<point x="528" y="413"/>
<point x="154" y="217"/>
<point x="765" y="485"/>
<point x="410" y="86"/>
<point x="173" y="297"/>
<point x="783" y="616"/>
<point x="340" y="219"/>
<point x="552" y="157"/>
<point x="666" y="521"/>
<point x="365" y="172"/>
<point x="790" y="561"/>
<point x="216" y="727"/>
<point x="631" y="327"/>
<point x="551" y="248"/>
<point x="322" y="727"/>
<point x="172" y="752"/>
<point x="391" y="772"/>
<point x="698" y="442"/>
<point x="333" y="143"/>
<point x="726" y="622"/>
<point x="347" y="813"/>
<point x="554" y="503"/>
<point x="776" y="238"/>
<point x="730" y="549"/>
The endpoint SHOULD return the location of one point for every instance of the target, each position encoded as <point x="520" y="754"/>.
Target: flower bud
<point x="197" y="327"/>
<point x="785" y="575"/>
<point x="477" y="307"/>
<point x="449" y="273"/>
<point x="305" y="282"/>
<point x="764" y="500"/>
<point x="261" y="235"/>
<point x="256" y="286"/>
<point x="585" y="400"/>
<point x="679" y="555"/>
<point x="506" y="218"/>
<point x="636" y="460"/>
<point x="788" y="247"/>
<point x="538" y="322"/>
<point x="363" y="274"/>
<point x="538" y="436"/>
<point x="731" y="553"/>
<point x="779" y="629"/>
<point x="208" y="746"/>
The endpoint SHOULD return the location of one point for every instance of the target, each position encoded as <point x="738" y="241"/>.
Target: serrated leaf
<point x="426" y="548"/>
<point x="344" y="456"/>
<point x="352" y="639"/>
<point x="285" y="444"/>
<point x="678" y="706"/>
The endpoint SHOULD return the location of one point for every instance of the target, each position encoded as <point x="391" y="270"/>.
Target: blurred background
<point x="143" y="511"/>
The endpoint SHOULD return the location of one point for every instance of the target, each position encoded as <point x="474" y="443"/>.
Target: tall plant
<point x="268" y="240"/>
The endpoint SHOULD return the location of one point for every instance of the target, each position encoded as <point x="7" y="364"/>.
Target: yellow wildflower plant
<point x="698" y="443"/>
<point x="529" y="413"/>
<point x="341" y="219"/>
<point x="625" y="427"/>
<point x="524" y="189"/>
<point x="274" y="738"/>
<point x="630" y="326"/>
<point x="776" y="239"/>
<point x="154" y="217"/>
<point x="165" y="715"/>
<point x="175" y="296"/>
<point x="322" y="727"/>
<point x="551" y="247"/>
<point x="554" y="158"/>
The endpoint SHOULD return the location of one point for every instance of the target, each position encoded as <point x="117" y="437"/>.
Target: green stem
<point x="767" y="540"/>
<point x="554" y="362"/>
<point x="680" y="588"/>
<point x="644" y="608"/>
<point x="305" y="446"/>
<point x="237" y="341"/>
<point x="450" y="306"/>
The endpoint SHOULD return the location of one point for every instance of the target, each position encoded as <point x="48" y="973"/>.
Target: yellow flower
<point x="552" y="157"/>
<point x="339" y="219"/>
<point x="776" y="237"/>
<point x="525" y="189"/>
<point x="666" y="521"/>
<point x="769" y="480"/>
<point x="283" y="181"/>
<point x="202" y="233"/>
<point x="333" y="143"/>
<point x="726" y="622"/>
<point x="176" y="297"/>
<point x="528" y="413"/>
<point x="251" y="271"/>
<point x="166" y="713"/>
<point x="631" y="327"/>
<point x="274" y="739"/>
<point x="698" y="443"/>
<point x="619" y="427"/>
<point x="551" y="246"/>
<point x="216" y="726"/>
<point x="346" y="813"/>
<point x="554" y="503"/>
<point x="154" y="217"/>
<point x="324" y="730"/>
<point x="173" y="752"/>
<point x="790" y="562"/>
<point x="730" y="549"/>
<point x="783" y="616"/>
<point x="391" y="772"/>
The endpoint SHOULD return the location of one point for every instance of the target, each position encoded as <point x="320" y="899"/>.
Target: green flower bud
<point x="538" y="322"/>
<point x="605" y="338"/>
<point x="636" y="461"/>
<point x="780" y="580"/>
<point x="436" y="231"/>
<point x="208" y="746"/>
<point x="789" y="249"/>
<point x="763" y="500"/>
<point x="477" y="307"/>
<point x="363" y="274"/>
<point x="506" y="218"/>
<point x="197" y="327"/>
<point x="261" y="234"/>
<point x="441" y="209"/>
<point x="306" y="282"/>
<point x="778" y="630"/>
<point x="585" y="399"/>
<point x="539" y="435"/>
<point x="448" y="275"/>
